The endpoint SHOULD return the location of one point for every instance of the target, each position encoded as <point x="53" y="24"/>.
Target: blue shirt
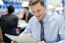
<point x="54" y="28"/>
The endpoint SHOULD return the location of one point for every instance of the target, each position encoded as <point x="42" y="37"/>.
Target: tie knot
<point x="41" y="21"/>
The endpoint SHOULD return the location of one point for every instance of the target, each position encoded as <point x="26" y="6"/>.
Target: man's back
<point x="8" y="22"/>
<point x="8" y="25"/>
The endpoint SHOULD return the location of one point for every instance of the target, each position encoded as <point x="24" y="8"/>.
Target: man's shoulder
<point x="57" y="17"/>
<point x="3" y="15"/>
<point x="14" y="16"/>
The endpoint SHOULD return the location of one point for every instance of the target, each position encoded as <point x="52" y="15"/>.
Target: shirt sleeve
<point x="29" y="27"/>
<point x="62" y="33"/>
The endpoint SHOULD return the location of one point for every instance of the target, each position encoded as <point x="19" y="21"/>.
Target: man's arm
<point x="29" y="26"/>
<point x="26" y="31"/>
<point x="62" y="33"/>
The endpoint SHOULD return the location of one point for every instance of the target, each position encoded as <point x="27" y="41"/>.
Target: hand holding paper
<point x="22" y="39"/>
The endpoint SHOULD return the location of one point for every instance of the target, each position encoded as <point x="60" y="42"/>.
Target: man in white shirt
<point x="53" y="25"/>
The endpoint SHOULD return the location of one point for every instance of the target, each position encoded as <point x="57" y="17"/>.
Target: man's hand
<point x="17" y="31"/>
<point x="42" y="42"/>
<point x="13" y="42"/>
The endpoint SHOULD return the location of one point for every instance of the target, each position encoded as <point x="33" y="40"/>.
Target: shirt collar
<point x="46" y="18"/>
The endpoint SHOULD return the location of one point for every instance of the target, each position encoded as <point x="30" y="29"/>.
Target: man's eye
<point x="33" y="12"/>
<point x="38" y="10"/>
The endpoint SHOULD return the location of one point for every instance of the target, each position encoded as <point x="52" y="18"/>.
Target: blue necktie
<point x="42" y="31"/>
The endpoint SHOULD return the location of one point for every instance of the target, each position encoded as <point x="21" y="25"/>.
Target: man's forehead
<point x="36" y="5"/>
<point x="32" y="1"/>
<point x="35" y="8"/>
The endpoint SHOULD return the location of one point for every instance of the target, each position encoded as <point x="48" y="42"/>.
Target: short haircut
<point x="10" y="9"/>
<point x="33" y="2"/>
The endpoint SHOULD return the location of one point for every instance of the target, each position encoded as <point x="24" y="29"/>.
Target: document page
<point x="22" y="39"/>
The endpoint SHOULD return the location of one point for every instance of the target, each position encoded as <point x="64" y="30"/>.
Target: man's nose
<point x="37" y="13"/>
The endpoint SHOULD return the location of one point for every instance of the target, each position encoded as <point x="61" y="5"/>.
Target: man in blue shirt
<point x="54" y="28"/>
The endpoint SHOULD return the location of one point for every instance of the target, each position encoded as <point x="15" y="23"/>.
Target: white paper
<point x="22" y="39"/>
<point x="22" y="24"/>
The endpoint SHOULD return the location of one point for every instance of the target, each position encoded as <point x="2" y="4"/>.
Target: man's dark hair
<point x="33" y="2"/>
<point x="10" y="9"/>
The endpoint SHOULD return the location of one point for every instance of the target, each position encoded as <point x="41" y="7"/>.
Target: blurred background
<point x="58" y="5"/>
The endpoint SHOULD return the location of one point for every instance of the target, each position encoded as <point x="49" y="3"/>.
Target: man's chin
<point x="39" y="19"/>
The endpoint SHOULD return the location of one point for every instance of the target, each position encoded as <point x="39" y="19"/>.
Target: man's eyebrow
<point x="33" y="11"/>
